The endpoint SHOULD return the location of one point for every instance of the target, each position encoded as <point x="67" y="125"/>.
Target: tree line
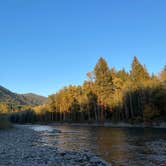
<point x="107" y="95"/>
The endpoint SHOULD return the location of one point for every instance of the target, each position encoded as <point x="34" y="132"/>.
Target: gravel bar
<point x="22" y="146"/>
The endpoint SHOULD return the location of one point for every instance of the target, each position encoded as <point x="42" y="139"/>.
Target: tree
<point x="104" y="85"/>
<point x="4" y="108"/>
<point x="162" y="74"/>
<point x="139" y="79"/>
<point x="92" y="103"/>
<point x="138" y="72"/>
<point x="75" y="107"/>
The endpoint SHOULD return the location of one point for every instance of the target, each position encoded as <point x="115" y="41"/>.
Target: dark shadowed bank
<point x="4" y="122"/>
<point x="24" y="146"/>
<point x="111" y="124"/>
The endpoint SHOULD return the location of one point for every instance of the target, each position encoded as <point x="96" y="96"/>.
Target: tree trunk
<point x="131" y="106"/>
<point x="95" y="110"/>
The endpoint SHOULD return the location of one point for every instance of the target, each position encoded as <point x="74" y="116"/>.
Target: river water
<point x="125" y="146"/>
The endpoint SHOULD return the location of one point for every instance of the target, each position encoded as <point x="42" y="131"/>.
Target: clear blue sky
<point x="46" y="44"/>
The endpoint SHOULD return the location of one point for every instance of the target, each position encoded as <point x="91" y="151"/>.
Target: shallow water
<point x="126" y="146"/>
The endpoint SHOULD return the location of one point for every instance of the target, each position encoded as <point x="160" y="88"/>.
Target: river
<point x="125" y="146"/>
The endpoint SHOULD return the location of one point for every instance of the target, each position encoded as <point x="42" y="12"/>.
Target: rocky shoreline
<point x="22" y="146"/>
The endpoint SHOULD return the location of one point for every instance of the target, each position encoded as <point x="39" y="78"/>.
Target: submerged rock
<point x="54" y="131"/>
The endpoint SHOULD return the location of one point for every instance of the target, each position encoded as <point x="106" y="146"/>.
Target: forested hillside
<point x="35" y="99"/>
<point x="10" y="97"/>
<point x="10" y="100"/>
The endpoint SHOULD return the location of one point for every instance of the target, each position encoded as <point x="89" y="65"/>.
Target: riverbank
<point x="110" y="124"/>
<point x="23" y="146"/>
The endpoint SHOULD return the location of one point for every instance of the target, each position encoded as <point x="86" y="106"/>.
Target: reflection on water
<point x="127" y="146"/>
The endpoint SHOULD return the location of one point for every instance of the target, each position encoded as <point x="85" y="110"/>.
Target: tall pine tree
<point x="138" y="72"/>
<point x="104" y="85"/>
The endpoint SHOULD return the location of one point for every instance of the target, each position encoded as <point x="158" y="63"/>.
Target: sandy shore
<point x="22" y="146"/>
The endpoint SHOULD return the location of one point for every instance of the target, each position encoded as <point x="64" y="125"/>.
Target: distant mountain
<point x="35" y="99"/>
<point x="21" y="99"/>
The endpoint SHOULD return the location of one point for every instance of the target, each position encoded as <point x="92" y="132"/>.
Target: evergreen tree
<point x="138" y="72"/>
<point x="104" y="85"/>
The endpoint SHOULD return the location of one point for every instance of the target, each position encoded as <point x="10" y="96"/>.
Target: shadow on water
<point x="127" y="146"/>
